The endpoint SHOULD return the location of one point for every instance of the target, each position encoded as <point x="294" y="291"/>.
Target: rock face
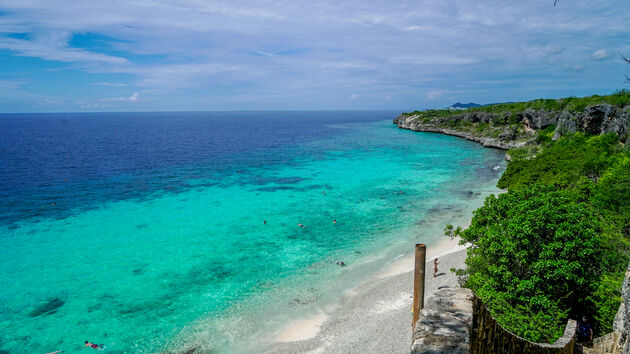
<point x="502" y="141"/>
<point x="444" y="323"/>
<point x="513" y="131"/>
<point x="540" y="119"/>
<point x="622" y="319"/>
<point x="599" y="119"/>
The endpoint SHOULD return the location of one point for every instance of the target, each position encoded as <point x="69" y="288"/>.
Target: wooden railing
<point x="487" y="336"/>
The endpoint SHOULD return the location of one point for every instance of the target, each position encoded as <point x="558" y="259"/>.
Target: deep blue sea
<point x="152" y="232"/>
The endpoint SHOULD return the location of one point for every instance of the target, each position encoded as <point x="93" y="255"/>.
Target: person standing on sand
<point x="435" y="268"/>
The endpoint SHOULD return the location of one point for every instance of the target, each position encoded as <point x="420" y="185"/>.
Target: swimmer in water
<point x="334" y="221"/>
<point x="300" y="225"/>
<point x="95" y="346"/>
<point x="341" y="264"/>
<point x="264" y="222"/>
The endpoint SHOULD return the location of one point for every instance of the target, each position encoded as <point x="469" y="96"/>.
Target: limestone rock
<point x="444" y="323"/>
<point x="596" y="119"/>
<point x="594" y="116"/>
<point x="621" y="324"/>
<point x="618" y="123"/>
<point x="540" y="119"/>
<point x="566" y="124"/>
<point x="509" y="134"/>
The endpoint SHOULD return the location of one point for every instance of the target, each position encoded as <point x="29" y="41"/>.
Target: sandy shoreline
<point x="376" y="316"/>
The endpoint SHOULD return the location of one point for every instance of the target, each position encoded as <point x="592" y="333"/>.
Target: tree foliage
<point x="535" y="253"/>
<point x="555" y="245"/>
<point x="567" y="163"/>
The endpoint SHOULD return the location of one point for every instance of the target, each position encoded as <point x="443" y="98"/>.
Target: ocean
<point x="153" y="232"/>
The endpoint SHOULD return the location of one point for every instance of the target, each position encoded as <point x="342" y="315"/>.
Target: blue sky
<point x="154" y="55"/>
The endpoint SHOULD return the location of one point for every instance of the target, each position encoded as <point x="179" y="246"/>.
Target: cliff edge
<point x="507" y="130"/>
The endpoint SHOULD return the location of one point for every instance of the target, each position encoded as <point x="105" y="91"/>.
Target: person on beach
<point x="95" y="346"/>
<point x="435" y="268"/>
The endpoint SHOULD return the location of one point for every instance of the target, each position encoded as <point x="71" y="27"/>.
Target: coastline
<point x="317" y="317"/>
<point x="375" y="316"/>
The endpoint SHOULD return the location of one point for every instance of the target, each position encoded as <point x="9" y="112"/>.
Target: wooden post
<point x="418" y="282"/>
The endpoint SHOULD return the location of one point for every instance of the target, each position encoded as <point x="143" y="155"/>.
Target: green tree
<point x="534" y="258"/>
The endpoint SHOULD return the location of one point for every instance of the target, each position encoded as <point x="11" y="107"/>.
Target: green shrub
<point x="535" y="252"/>
<point x="606" y="299"/>
<point x="544" y="137"/>
<point x="565" y="162"/>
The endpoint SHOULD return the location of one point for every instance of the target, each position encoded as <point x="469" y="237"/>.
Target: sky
<point x="203" y="55"/>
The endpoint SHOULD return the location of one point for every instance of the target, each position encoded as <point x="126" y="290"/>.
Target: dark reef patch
<point x="273" y="189"/>
<point x="47" y="308"/>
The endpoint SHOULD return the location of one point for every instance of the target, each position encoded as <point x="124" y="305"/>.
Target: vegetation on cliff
<point x="555" y="245"/>
<point x="530" y="124"/>
<point x="620" y="98"/>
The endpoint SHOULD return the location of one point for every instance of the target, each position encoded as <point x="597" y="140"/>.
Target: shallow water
<point x="150" y="232"/>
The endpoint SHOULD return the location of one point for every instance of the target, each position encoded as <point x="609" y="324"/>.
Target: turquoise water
<point x="199" y="267"/>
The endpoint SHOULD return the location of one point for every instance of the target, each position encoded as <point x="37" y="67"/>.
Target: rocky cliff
<point x="621" y="326"/>
<point x="507" y="130"/>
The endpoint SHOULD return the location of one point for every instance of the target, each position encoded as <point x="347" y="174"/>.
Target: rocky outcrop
<point x="444" y="323"/>
<point x="599" y="119"/>
<point x="506" y="130"/>
<point x="540" y="119"/>
<point x="504" y="139"/>
<point x="622" y="319"/>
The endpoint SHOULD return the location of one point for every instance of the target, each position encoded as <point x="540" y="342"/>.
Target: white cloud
<point x="111" y="84"/>
<point x="185" y="49"/>
<point x="11" y="84"/>
<point x="53" y="45"/>
<point x="91" y="105"/>
<point x="132" y="99"/>
<point x="433" y="59"/>
<point x="600" y="54"/>
<point x="434" y="95"/>
<point x="108" y="102"/>
<point x="574" y="67"/>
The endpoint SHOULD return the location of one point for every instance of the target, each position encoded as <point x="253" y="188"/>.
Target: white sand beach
<point x="376" y="316"/>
